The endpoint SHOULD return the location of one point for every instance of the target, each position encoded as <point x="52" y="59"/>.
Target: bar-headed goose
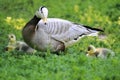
<point x="55" y="34"/>
<point x="99" y="52"/>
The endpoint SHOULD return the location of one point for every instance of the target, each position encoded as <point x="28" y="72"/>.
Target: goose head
<point x="42" y="13"/>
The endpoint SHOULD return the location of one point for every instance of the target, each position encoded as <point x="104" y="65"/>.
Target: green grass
<point x="74" y="65"/>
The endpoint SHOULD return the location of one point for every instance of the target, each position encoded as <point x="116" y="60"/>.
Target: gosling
<point x="99" y="52"/>
<point x="12" y="43"/>
<point x="17" y="45"/>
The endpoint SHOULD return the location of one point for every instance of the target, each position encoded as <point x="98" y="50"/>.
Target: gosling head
<point x="11" y="38"/>
<point x="91" y="50"/>
<point x="42" y="13"/>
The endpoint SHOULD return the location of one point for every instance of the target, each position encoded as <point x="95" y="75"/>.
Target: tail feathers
<point x="93" y="34"/>
<point x="95" y="29"/>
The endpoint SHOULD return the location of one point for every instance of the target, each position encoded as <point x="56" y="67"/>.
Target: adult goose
<point x="53" y="33"/>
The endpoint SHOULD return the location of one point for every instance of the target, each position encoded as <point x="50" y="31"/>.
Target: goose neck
<point x="35" y="20"/>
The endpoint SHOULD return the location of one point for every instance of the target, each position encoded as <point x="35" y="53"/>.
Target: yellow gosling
<point x="18" y="45"/>
<point x="99" y="52"/>
<point x="12" y="42"/>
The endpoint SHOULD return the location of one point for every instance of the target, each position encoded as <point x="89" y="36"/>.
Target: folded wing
<point x="66" y="31"/>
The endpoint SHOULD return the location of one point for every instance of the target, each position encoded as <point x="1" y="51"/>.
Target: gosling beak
<point x="6" y="48"/>
<point x="45" y="20"/>
<point x="88" y="51"/>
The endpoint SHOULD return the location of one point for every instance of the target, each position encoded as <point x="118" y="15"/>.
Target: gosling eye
<point x="89" y="48"/>
<point x="11" y="36"/>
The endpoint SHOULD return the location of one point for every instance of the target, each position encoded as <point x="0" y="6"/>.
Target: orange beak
<point x="44" y="20"/>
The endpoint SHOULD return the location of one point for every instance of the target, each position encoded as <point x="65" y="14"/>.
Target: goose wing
<point x="55" y="26"/>
<point x="65" y="31"/>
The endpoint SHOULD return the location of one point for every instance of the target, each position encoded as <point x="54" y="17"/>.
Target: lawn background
<point x="74" y="65"/>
